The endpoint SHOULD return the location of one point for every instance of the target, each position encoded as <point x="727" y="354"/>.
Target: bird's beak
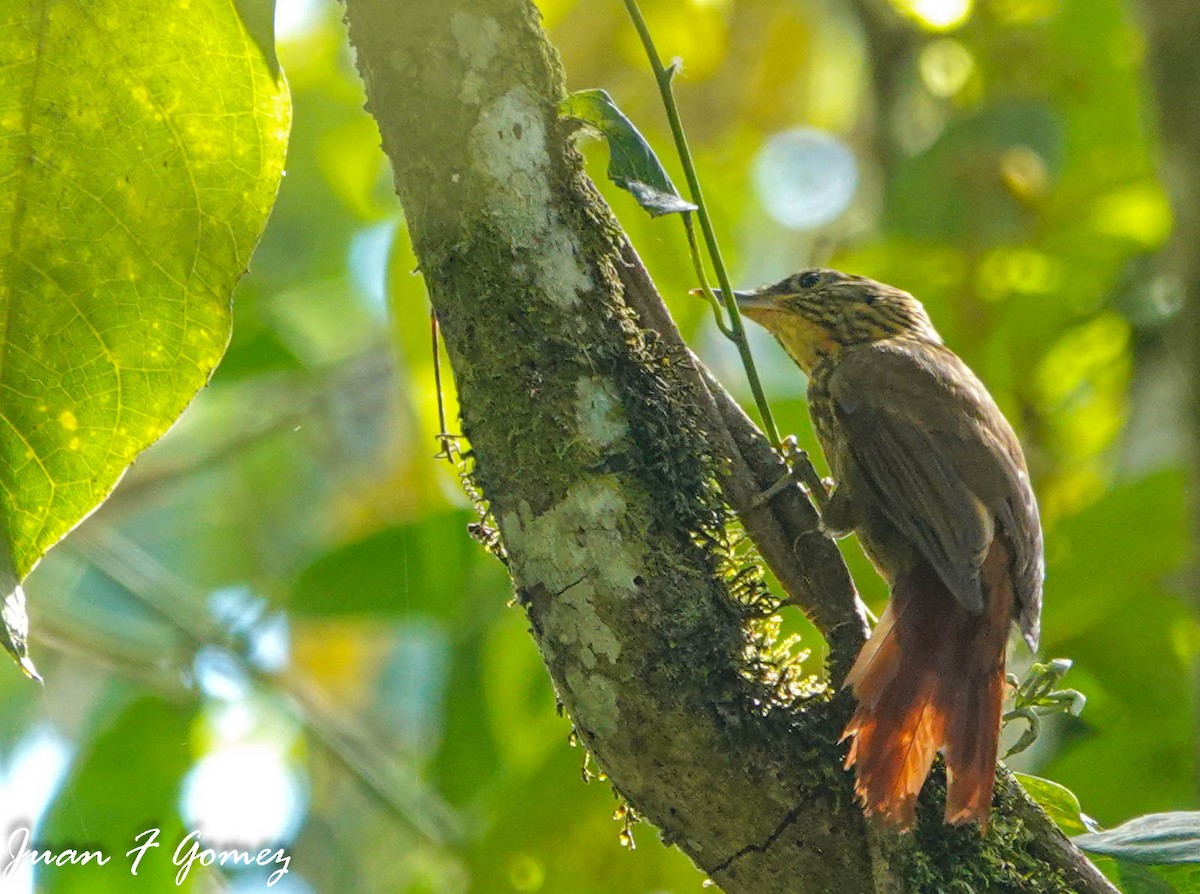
<point x="756" y="299"/>
<point x="763" y="298"/>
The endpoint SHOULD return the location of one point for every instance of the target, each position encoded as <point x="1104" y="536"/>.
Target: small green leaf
<point x="1058" y="801"/>
<point x="632" y="164"/>
<point x="1157" y="838"/>
<point x="1029" y="735"/>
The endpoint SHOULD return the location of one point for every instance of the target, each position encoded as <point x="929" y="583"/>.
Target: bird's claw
<point x="761" y="499"/>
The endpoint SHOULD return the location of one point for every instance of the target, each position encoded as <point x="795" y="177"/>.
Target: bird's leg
<point x="832" y="501"/>
<point x="800" y="471"/>
<point x="762" y="498"/>
<point x="837" y="512"/>
<point x="789" y="450"/>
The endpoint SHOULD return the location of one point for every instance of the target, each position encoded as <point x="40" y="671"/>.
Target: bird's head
<point x="817" y="312"/>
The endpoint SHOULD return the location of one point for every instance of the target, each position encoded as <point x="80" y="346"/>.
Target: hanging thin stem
<point x="705" y="289"/>
<point x="443" y="438"/>
<point x="663" y="76"/>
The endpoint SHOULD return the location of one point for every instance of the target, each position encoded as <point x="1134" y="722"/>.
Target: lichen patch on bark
<point x="508" y="144"/>
<point x="595" y="700"/>
<point x="599" y="412"/>
<point x="575" y="551"/>
<point x="579" y="555"/>
<point x="478" y="39"/>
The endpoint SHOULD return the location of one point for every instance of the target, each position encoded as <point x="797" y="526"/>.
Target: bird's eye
<point x="809" y="279"/>
<point x="871" y="298"/>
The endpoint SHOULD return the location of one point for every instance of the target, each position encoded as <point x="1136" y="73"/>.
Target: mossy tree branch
<point x="598" y="442"/>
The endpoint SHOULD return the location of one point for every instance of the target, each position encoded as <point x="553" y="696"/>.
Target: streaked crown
<point x="853" y="309"/>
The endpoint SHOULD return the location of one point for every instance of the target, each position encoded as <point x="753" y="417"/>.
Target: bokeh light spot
<point x="295" y="19"/>
<point x="805" y="178"/>
<point x="218" y="674"/>
<point x="1018" y="270"/>
<point x="945" y="65"/>
<point x="1023" y="12"/>
<point x="1139" y="212"/>
<point x="936" y="15"/>
<point x="525" y="873"/>
<point x="30" y="775"/>
<point x="1024" y="172"/>
<point x="243" y="793"/>
<point x="368" y="261"/>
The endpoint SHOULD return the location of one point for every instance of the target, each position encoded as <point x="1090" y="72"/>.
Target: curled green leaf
<point x="632" y="164"/>
<point x="1029" y="736"/>
<point x="1036" y="697"/>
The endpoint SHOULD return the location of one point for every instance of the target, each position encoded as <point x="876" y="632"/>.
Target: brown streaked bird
<point x="930" y="476"/>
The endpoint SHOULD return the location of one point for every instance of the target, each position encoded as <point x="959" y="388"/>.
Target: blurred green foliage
<point x="288" y="574"/>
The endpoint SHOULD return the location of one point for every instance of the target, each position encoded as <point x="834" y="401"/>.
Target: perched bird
<point x="929" y="474"/>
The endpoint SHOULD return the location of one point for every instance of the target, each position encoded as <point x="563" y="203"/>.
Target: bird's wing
<point x="941" y="463"/>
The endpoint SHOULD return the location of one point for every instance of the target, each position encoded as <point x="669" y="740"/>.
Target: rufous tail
<point x="930" y="679"/>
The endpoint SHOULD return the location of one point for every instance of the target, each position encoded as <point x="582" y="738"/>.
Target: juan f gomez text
<point x="189" y="852"/>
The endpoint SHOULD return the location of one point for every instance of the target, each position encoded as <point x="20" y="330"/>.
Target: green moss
<point x="941" y="859"/>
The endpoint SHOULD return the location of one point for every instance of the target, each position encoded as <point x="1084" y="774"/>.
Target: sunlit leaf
<point x="632" y="165"/>
<point x="141" y="146"/>
<point x="1058" y="801"/>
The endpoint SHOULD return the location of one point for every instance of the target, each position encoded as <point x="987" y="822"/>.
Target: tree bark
<point x="608" y="457"/>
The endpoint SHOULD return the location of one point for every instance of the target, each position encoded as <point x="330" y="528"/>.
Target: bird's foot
<point x="803" y="471"/>
<point x="800" y="471"/>
<point x="761" y="499"/>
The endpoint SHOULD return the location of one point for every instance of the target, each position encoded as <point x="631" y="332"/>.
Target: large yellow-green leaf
<point x="141" y="147"/>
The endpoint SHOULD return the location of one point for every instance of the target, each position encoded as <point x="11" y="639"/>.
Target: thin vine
<point x="664" y="76"/>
